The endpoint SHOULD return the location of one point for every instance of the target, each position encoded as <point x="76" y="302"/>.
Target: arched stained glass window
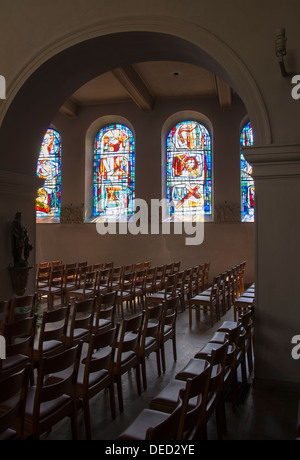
<point x="247" y="182"/>
<point x="48" y="201"/>
<point x="189" y="172"/>
<point x="114" y="173"/>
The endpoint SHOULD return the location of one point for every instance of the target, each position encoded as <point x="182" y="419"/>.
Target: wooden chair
<point x="82" y="264"/>
<point x="150" y="281"/>
<point x="105" y="312"/>
<point x="103" y="282"/>
<point x="52" y="334"/>
<point x="97" y="267"/>
<point x="85" y="289"/>
<point x="70" y="281"/>
<point x="138" y="289"/>
<point x="152" y="425"/>
<point x="127" y="353"/>
<point x="176" y="267"/>
<point x="42" y="276"/>
<point x="147" y="264"/>
<point x="180" y="284"/>
<point x="55" y="287"/>
<point x="80" y="322"/>
<point x="95" y="374"/>
<point x="168" y="328"/>
<point x="167" y="399"/>
<point x="54" y="396"/>
<point x="116" y="278"/>
<point x="206" y="275"/>
<point x="13" y="393"/>
<point x="109" y="265"/>
<point x="19" y="338"/>
<point x="125" y="293"/>
<point x="168" y="292"/>
<point x="216" y="355"/>
<point x="160" y="277"/>
<point x="21" y="308"/>
<point x="150" y="338"/>
<point x="206" y="302"/>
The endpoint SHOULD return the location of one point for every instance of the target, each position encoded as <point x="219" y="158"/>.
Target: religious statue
<point x="21" y="246"/>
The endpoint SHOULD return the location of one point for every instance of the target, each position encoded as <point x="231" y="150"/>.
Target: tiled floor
<point x="264" y="415"/>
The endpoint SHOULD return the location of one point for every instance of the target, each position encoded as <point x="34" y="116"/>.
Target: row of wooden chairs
<point x="131" y="285"/>
<point x="182" y="410"/>
<point x="220" y="296"/>
<point x="63" y="336"/>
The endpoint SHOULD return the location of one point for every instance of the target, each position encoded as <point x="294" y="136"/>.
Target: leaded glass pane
<point x="114" y="173"/>
<point x="48" y="201"/>
<point x="247" y="182"/>
<point x="189" y="177"/>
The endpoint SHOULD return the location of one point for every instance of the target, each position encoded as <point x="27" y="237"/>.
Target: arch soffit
<point x="231" y="68"/>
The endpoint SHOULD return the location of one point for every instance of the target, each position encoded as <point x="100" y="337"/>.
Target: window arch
<point x="247" y="182"/>
<point x="189" y="172"/>
<point x="114" y="173"/>
<point x="48" y="201"/>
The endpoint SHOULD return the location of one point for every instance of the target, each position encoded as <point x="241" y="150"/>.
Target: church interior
<point x="149" y="170"/>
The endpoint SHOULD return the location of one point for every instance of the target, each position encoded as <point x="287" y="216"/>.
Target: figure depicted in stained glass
<point x="247" y="182"/>
<point x="48" y="201"/>
<point x="189" y="182"/>
<point x="114" y="172"/>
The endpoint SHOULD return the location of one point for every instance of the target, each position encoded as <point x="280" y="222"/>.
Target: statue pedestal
<point x="19" y="279"/>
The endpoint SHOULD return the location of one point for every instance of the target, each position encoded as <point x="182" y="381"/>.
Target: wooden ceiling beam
<point x="135" y="87"/>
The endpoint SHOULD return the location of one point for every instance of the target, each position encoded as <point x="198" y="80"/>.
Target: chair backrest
<point x="98" y="266"/>
<point x="218" y="363"/>
<point x="57" y="377"/>
<point x="109" y="265"/>
<point x="71" y="275"/>
<point x="100" y="354"/>
<point x="166" y="430"/>
<point x="106" y="307"/>
<point x="140" y="279"/>
<point x="53" y="326"/>
<point x="21" y="308"/>
<point x="57" y="276"/>
<point x="20" y="336"/>
<point x="147" y="264"/>
<point x="176" y="267"/>
<point x="127" y="282"/>
<point x="130" y="329"/>
<point x="151" y="323"/>
<point x="116" y="275"/>
<point x="13" y="389"/>
<point x="81" y="316"/>
<point x="43" y="274"/>
<point x="192" y="415"/>
<point x="171" y="285"/>
<point x="169" y="314"/>
<point x="104" y="278"/>
<point x="90" y="281"/>
<point x="169" y="269"/>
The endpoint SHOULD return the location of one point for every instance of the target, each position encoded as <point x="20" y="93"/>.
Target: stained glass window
<point x="114" y="173"/>
<point x="247" y="182"/>
<point x="48" y="201"/>
<point x="189" y="178"/>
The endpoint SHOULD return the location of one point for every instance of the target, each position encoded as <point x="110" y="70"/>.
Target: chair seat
<point x="94" y="377"/>
<point x="194" y="367"/>
<point x="52" y="289"/>
<point x="102" y="322"/>
<point x="46" y="408"/>
<point x="201" y="300"/>
<point x="8" y="435"/>
<point x="167" y="399"/>
<point x="49" y="346"/>
<point x="12" y="361"/>
<point x="138" y="429"/>
<point x="228" y="326"/>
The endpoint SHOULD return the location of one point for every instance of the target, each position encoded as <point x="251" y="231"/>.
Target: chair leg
<point x="158" y="362"/>
<point x="120" y="394"/>
<point x="87" y="420"/>
<point x="144" y="375"/>
<point x="112" y="400"/>
<point x="174" y="348"/>
<point x="138" y="378"/>
<point x="163" y="359"/>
